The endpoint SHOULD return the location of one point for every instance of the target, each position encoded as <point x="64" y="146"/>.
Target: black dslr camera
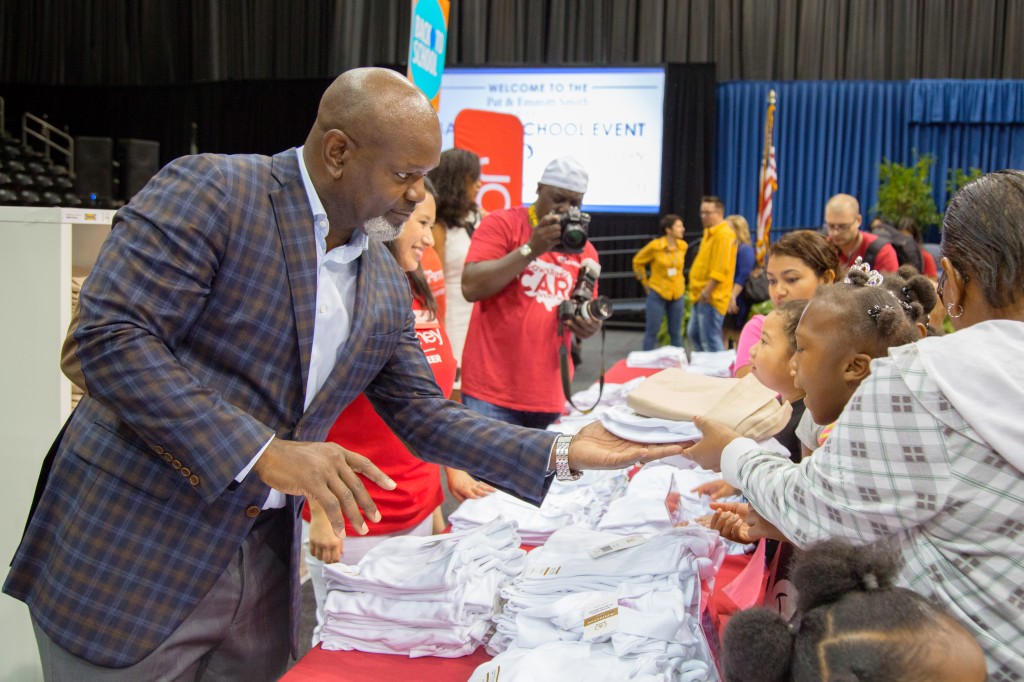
<point x="575" y="225"/>
<point x="583" y="304"/>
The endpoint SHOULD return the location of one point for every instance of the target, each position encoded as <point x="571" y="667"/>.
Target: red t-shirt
<point x="434" y="271"/>
<point x="360" y="429"/>
<point x="928" y="268"/>
<point x="511" y="354"/>
<point x="885" y="261"/>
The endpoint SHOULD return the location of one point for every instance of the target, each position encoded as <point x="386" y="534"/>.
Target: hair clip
<point x="876" y="310"/>
<point x="874" y="277"/>
<point x="870" y="581"/>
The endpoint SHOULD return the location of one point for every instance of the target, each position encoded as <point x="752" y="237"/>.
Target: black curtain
<point x="146" y="42"/>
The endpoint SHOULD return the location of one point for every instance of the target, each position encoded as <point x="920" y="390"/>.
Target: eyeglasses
<point x="837" y="227"/>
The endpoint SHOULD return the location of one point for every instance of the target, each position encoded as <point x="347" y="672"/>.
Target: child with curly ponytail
<point x="851" y="623"/>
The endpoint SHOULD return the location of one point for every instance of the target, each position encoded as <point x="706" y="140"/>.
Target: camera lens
<point x="598" y="309"/>
<point x="573" y="237"/>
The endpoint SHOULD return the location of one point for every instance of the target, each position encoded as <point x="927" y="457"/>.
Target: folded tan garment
<point x="744" y="405"/>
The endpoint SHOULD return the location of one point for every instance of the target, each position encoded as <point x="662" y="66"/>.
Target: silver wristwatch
<point x="526" y="251"/>
<point x="562" y="470"/>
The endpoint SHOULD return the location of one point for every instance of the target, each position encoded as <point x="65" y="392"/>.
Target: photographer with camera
<point x="524" y="271"/>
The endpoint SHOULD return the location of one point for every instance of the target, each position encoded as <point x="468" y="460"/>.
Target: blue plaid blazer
<point x="195" y="336"/>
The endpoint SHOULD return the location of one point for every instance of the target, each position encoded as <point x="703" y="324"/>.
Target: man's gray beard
<point x="380" y="230"/>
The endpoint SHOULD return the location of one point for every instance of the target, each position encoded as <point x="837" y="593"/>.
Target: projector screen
<point x="611" y="119"/>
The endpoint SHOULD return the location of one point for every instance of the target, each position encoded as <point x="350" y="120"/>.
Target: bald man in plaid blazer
<point x="195" y="339"/>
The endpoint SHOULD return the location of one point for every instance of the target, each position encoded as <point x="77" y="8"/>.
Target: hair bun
<point x="828" y="570"/>
<point x="757" y="647"/>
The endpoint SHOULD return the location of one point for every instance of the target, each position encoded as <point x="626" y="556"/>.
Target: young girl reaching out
<point x="769" y="359"/>
<point x="843" y="328"/>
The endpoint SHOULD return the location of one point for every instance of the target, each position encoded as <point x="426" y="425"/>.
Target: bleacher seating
<point x="29" y="178"/>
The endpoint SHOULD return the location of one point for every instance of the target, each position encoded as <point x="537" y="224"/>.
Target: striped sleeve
<point x="884" y="469"/>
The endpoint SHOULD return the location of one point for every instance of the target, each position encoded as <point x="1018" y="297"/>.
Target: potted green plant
<point x="905" y="191"/>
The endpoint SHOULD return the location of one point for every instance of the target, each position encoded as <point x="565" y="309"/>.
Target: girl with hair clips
<point x="798" y="263"/>
<point x="916" y="295"/>
<point x="665" y="286"/>
<point x="851" y="623"/>
<point x="840" y="332"/>
<point x="457" y="179"/>
<point x="927" y="454"/>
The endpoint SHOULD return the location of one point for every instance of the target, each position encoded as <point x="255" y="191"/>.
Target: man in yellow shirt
<point x="711" y="277"/>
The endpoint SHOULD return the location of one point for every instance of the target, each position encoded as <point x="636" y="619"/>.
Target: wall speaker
<point x="94" y="167"/>
<point x="140" y="160"/>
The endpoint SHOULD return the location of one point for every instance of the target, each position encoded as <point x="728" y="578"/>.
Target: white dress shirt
<point x="336" y="274"/>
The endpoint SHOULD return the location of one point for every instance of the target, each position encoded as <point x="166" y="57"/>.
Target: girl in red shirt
<point x="412" y="507"/>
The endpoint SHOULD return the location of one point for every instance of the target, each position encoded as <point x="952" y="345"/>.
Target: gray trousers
<point x="239" y="631"/>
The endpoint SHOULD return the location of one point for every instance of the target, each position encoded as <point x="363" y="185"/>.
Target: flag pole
<point x="768" y="181"/>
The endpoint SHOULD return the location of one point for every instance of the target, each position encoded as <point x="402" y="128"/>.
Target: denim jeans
<point x="705" y="328"/>
<point x="534" y="420"/>
<point x="658" y="308"/>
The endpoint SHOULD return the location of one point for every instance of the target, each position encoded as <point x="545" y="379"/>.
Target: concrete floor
<point x="618" y="344"/>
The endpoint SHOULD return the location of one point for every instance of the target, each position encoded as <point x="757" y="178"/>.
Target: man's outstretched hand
<point x="327" y="473"/>
<point x="595" y="448"/>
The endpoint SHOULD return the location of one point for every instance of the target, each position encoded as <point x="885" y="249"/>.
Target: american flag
<point x="769" y="182"/>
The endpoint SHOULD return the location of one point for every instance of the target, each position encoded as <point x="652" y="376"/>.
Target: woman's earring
<point x="958" y="313"/>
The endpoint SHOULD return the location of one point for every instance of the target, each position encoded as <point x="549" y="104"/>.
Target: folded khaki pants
<point x="744" y="405"/>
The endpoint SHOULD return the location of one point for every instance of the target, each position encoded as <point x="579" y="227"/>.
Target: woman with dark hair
<point x="798" y="263"/>
<point x="664" y="285"/>
<point x="927" y="453"/>
<point x="457" y="179"/>
<point x="851" y="623"/>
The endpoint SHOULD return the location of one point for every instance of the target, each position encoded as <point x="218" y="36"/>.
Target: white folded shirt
<point x="451" y="642"/>
<point x="624" y="422"/>
<point x="659" y="358"/>
<point x="712" y="363"/>
<point x="561" y="661"/>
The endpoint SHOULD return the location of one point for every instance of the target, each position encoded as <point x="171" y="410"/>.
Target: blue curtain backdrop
<point x="831" y="136"/>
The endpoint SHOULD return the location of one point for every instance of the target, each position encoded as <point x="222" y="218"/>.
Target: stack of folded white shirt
<point x="653" y="586"/>
<point x="712" y="364"/>
<point x="580" y="502"/>
<point x="613" y="394"/>
<point x="659" y="358"/>
<point x="561" y="661"/>
<point x="643" y="507"/>
<point x="421" y="596"/>
<point x="624" y="422"/>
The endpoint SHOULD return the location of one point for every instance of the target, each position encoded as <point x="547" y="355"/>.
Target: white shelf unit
<point x="40" y="247"/>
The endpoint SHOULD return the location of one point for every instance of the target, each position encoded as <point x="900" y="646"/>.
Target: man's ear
<point x="337" y="150"/>
<point x="857" y="368"/>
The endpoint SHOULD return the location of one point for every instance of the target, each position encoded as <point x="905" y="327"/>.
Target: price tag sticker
<point x="618" y="545"/>
<point x="600" y="616"/>
<point x="542" y="571"/>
